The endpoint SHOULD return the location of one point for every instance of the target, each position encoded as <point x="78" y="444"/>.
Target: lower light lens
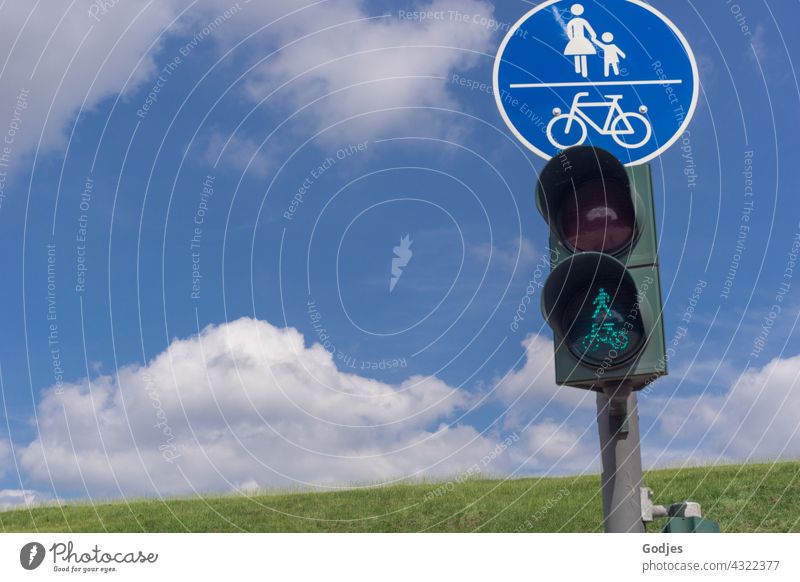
<point x="603" y="323"/>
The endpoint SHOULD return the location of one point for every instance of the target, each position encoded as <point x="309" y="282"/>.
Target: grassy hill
<point x="746" y="498"/>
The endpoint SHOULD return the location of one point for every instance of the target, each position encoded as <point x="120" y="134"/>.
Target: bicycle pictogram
<point x="630" y="130"/>
<point x="604" y="332"/>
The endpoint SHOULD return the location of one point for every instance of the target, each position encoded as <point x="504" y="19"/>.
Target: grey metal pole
<point x="618" y="424"/>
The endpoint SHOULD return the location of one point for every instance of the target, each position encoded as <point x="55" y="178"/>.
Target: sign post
<point x="622" y="481"/>
<point x="599" y="88"/>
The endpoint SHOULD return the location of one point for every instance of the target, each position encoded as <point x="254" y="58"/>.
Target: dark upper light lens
<point x="599" y="216"/>
<point x="603" y="323"/>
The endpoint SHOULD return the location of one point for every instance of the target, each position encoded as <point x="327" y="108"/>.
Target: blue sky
<point x="298" y="149"/>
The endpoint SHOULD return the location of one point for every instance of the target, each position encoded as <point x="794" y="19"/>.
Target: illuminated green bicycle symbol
<point x="604" y="332"/>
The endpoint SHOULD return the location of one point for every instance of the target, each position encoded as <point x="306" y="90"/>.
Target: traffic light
<point x="603" y="295"/>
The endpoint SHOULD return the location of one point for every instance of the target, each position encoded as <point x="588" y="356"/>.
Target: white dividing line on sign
<point x="598" y="84"/>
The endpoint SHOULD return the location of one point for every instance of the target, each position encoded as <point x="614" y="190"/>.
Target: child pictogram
<point x="611" y="53"/>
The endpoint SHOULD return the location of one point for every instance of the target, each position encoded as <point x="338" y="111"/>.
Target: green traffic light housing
<point x="603" y="296"/>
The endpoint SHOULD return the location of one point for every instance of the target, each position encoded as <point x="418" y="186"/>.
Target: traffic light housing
<point x="603" y="296"/>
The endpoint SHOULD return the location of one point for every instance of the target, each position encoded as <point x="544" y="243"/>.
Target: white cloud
<point x="557" y="422"/>
<point x="515" y="256"/>
<point x="5" y="457"/>
<point x="533" y="386"/>
<point x="553" y="439"/>
<point x="760" y="41"/>
<point x="64" y="58"/>
<point x="238" y="152"/>
<point x="371" y="63"/>
<point x="557" y="448"/>
<point x="15" y="498"/>
<point x="755" y="419"/>
<point x="246" y="404"/>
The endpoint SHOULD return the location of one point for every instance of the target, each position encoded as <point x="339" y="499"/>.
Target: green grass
<point x="745" y="498"/>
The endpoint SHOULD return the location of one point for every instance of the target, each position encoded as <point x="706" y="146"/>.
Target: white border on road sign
<point x="513" y="30"/>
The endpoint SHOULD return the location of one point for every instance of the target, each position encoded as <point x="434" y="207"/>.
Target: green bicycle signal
<point x="604" y="331"/>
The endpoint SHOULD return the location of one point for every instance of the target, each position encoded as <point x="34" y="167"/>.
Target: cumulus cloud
<point x="245" y="404"/>
<point x="517" y="255"/>
<point x="760" y="41"/>
<point x="5" y="457"/>
<point x="558" y="447"/>
<point x="557" y="422"/>
<point x="16" y="498"/>
<point x="13" y="498"/>
<point x="533" y="386"/>
<point x="64" y="57"/>
<point x="61" y="57"/>
<point x="238" y="152"/>
<point x="751" y="420"/>
<point x="754" y="419"/>
<point x="365" y="63"/>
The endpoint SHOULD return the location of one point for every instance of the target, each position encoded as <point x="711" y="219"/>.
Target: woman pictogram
<point x="579" y="46"/>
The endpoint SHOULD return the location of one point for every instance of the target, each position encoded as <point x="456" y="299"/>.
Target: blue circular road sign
<point x="615" y="74"/>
